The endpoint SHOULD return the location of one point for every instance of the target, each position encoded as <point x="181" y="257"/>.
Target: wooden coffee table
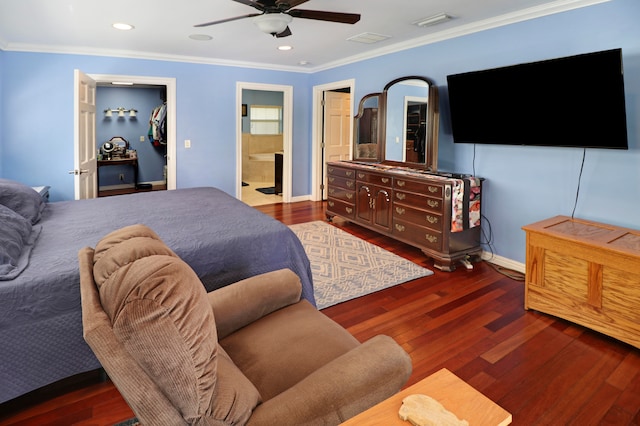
<point x="449" y="390"/>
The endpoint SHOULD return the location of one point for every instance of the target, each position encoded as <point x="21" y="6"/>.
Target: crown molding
<point x="459" y="31"/>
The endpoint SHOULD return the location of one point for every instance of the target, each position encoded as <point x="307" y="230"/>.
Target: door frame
<point x="317" y="132"/>
<point x="287" y="132"/>
<point x="170" y="84"/>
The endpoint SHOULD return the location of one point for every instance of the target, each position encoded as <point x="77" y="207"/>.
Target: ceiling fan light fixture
<point x="433" y="20"/>
<point x="272" y="23"/>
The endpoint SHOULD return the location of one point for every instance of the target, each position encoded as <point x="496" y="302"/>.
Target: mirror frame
<point x="433" y="125"/>
<point x="356" y="121"/>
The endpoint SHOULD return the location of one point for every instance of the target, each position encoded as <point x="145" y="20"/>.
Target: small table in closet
<point x="120" y="161"/>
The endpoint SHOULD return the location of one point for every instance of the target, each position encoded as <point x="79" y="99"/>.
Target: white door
<point x="337" y="130"/>
<point x="85" y="162"/>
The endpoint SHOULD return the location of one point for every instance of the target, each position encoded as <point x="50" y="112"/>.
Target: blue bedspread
<point x="221" y="238"/>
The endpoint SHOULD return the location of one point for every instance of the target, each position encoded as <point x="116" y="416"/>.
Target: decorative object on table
<point x="422" y="410"/>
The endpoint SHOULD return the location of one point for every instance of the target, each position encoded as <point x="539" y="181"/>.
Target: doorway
<point x="262" y="151"/>
<point x="170" y="84"/>
<point x="322" y="128"/>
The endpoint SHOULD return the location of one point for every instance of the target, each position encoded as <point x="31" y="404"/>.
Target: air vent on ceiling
<point x="368" y="38"/>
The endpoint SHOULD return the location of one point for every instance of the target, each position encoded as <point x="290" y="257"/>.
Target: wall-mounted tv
<point x="575" y="101"/>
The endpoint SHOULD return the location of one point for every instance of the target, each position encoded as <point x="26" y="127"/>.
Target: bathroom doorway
<point x="264" y="143"/>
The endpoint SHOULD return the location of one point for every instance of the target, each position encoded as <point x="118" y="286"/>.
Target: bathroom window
<point x="266" y="119"/>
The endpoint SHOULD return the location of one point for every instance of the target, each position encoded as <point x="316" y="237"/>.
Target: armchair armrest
<point x="246" y="301"/>
<point x="348" y="385"/>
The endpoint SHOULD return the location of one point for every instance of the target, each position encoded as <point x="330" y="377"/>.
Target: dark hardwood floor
<point x="543" y="370"/>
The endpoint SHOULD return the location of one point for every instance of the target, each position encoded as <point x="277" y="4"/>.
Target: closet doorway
<point x="169" y="84"/>
<point x="263" y="143"/>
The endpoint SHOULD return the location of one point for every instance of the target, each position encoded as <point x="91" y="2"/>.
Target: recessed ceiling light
<point x="123" y="26"/>
<point x="285" y="47"/>
<point x="304" y="63"/>
<point x="200" y="37"/>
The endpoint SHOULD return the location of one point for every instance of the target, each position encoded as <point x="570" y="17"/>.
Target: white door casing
<point x="85" y="161"/>
<point x="287" y="134"/>
<point x="317" y="129"/>
<point x="170" y="84"/>
<point x="337" y="130"/>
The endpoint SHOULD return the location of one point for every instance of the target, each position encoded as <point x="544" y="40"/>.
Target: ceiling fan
<point x="276" y="15"/>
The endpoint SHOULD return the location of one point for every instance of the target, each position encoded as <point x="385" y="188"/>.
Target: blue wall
<point x="38" y="145"/>
<point x="151" y="159"/>
<point x="523" y="184"/>
<point x="527" y="184"/>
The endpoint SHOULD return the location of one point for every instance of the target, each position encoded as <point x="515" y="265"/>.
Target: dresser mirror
<point x="400" y="124"/>
<point x="411" y="121"/>
<point x="366" y="129"/>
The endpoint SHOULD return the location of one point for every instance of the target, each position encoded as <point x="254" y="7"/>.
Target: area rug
<point x="345" y="267"/>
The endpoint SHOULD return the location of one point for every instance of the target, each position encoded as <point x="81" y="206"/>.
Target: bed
<point x="221" y="238"/>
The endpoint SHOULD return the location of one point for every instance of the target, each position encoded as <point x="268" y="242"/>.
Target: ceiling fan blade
<point x="285" y="33"/>
<point x="206" y="24"/>
<point x="344" y="18"/>
<point x="253" y="3"/>
<point x="285" y="5"/>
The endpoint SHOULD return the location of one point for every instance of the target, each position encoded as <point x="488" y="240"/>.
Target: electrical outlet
<point x="121" y="176"/>
<point x="141" y="138"/>
<point x="187" y="143"/>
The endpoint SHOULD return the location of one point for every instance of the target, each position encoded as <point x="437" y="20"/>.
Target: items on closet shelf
<point x="158" y="125"/>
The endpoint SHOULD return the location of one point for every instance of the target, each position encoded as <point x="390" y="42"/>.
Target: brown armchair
<point x="249" y="353"/>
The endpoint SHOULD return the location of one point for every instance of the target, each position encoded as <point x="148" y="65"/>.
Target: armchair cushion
<point x="159" y="311"/>
<point x="296" y="340"/>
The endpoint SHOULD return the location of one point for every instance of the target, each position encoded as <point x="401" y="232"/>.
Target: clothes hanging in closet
<point x="158" y="125"/>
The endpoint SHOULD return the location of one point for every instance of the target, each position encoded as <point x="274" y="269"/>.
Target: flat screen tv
<point x="575" y="101"/>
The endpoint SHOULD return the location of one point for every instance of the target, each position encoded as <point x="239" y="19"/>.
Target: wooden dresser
<point x="409" y="205"/>
<point x="585" y="272"/>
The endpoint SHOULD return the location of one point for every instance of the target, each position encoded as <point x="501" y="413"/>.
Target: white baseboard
<point x="503" y="261"/>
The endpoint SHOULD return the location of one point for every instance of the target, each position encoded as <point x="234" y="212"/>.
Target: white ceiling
<point x="163" y="27"/>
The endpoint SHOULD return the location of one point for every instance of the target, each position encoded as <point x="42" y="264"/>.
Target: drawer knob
<point x="331" y="179"/>
<point x="432" y="203"/>
<point x="431" y="238"/>
<point x="349" y="195"/>
<point x="400" y="210"/>
<point x="385" y="180"/>
<point x="400" y="183"/>
<point x="349" y="173"/>
<point x="432" y="219"/>
<point x="350" y="183"/>
<point x="330" y="169"/>
<point x="361" y="175"/>
<point x="432" y="189"/>
<point x="400" y="195"/>
<point x="348" y="210"/>
<point x="331" y="203"/>
<point x="400" y="227"/>
<point x="332" y="191"/>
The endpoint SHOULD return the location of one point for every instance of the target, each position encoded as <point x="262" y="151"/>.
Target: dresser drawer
<point x="419" y="235"/>
<point x="341" y="208"/>
<point x="428" y="203"/>
<point x="379" y="180"/>
<point x="427" y="188"/>
<point x="340" y="172"/>
<point x="419" y="217"/>
<point x="341" y="182"/>
<point x="341" y="194"/>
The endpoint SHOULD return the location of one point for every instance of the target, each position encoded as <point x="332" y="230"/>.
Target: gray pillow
<point x="22" y="199"/>
<point x="17" y="237"/>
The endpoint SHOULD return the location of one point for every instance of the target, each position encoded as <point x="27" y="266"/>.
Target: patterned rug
<point x="345" y="267"/>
